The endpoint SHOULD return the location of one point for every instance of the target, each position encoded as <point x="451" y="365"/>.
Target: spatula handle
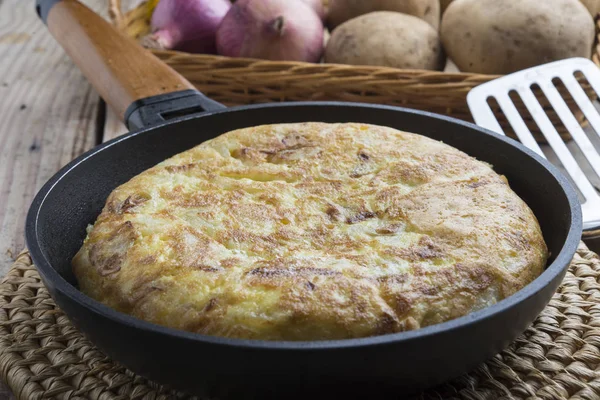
<point x="121" y="70"/>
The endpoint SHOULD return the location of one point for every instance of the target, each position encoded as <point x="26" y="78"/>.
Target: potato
<point x="593" y="6"/>
<point x="386" y="38"/>
<point x="500" y="37"/>
<point x="341" y="11"/>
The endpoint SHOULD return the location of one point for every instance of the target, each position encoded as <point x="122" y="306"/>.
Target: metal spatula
<point x="543" y="76"/>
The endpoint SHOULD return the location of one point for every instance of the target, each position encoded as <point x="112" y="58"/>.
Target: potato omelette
<point x="311" y="231"/>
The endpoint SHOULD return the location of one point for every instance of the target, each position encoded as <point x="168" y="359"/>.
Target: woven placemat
<point x="42" y="356"/>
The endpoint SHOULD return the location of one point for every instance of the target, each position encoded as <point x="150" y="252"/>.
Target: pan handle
<point x="137" y="85"/>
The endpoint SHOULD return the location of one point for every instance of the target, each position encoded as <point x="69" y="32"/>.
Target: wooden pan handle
<point x="119" y="68"/>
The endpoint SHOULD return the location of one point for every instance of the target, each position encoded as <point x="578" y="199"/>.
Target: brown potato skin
<point x="341" y="11"/>
<point x="386" y="38"/>
<point x="501" y="37"/>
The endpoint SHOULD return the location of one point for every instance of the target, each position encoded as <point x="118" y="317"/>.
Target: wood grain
<point x="113" y="126"/>
<point x="48" y="115"/>
<point x="119" y="68"/>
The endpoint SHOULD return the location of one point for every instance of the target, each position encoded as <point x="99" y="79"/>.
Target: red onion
<point x="272" y="30"/>
<point x="188" y="25"/>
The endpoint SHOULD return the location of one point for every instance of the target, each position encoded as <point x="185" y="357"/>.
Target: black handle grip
<point x="156" y="109"/>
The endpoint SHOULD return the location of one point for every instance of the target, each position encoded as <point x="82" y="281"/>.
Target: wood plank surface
<point x="113" y="126"/>
<point x="49" y="114"/>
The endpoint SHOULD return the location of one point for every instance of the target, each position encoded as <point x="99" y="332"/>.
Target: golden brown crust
<point x="308" y="232"/>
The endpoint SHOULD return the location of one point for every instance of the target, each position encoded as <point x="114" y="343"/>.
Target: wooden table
<point x="49" y="114"/>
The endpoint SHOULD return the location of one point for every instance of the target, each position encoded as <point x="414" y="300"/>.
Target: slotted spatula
<point x="543" y="76"/>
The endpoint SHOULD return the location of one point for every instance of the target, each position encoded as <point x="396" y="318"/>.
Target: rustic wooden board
<point x="49" y="114"/>
<point x="113" y="126"/>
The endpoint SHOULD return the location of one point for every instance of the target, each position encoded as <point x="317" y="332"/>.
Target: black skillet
<point x="169" y="117"/>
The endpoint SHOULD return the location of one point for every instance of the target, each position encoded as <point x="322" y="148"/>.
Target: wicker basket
<point x="234" y="81"/>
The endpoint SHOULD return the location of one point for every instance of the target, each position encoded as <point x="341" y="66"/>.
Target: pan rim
<point x="558" y="266"/>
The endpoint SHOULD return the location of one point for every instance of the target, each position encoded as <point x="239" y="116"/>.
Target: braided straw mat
<point x="42" y="356"/>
